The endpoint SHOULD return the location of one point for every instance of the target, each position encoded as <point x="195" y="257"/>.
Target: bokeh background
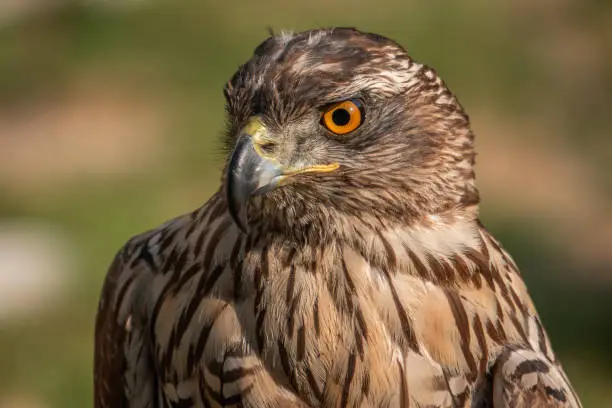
<point x="110" y="119"/>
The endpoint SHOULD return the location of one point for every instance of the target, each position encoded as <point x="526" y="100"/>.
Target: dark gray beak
<point x="249" y="173"/>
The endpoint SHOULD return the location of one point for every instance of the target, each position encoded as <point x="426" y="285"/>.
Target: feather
<point x="372" y="285"/>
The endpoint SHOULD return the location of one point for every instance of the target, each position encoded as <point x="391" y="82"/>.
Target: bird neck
<point x="383" y="243"/>
<point x="408" y="247"/>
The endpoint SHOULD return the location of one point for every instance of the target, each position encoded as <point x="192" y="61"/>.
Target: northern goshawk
<point x="341" y="262"/>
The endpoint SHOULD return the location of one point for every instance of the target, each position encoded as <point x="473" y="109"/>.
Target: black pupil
<point x="341" y="117"/>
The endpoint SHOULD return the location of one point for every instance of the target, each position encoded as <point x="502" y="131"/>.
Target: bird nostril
<point x="267" y="147"/>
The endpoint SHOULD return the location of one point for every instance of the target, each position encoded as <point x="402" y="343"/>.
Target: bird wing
<point x="109" y="360"/>
<point x="523" y="378"/>
<point x="525" y="372"/>
<point x="123" y="371"/>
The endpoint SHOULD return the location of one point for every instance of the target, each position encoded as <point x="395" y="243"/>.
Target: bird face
<point x="337" y="122"/>
<point x="258" y="165"/>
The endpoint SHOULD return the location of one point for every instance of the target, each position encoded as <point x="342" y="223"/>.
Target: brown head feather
<point x="412" y="156"/>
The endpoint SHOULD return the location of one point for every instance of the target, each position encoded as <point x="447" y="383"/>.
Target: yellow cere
<point x="254" y="126"/>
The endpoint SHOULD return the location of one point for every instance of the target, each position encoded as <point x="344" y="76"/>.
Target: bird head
<point x="333" y="127"/>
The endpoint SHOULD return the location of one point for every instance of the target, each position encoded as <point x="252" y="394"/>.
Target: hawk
<point x="341" y="263"/>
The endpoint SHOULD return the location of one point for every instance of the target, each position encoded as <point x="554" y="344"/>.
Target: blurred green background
<point x="110" y="117"/>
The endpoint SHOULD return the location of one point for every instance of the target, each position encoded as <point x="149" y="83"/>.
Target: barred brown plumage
<point x="329" y="270"/>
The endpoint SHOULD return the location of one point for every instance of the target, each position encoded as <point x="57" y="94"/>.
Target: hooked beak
<point x="251" y="171"/>
<point x="248" y="174"/>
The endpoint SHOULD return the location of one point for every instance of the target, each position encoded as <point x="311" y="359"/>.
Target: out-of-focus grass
<point x="184" y="53"/>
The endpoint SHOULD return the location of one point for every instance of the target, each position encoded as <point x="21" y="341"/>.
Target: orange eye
<point x="343" y="117"/>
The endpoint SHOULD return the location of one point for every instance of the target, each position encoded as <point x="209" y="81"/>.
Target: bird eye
<point x="343" y="117"/>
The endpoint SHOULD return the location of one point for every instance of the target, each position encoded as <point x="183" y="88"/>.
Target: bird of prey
<point x="341" y="263"/>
